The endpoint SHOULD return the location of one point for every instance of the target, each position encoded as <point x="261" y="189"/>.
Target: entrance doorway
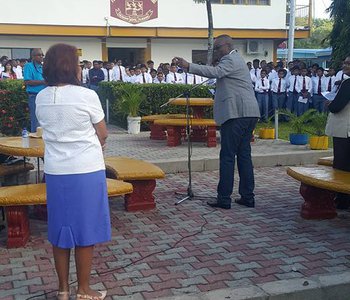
<point x="129" y="56"/>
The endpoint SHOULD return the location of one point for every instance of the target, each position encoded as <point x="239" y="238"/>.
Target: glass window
<point x="15" y="53"/>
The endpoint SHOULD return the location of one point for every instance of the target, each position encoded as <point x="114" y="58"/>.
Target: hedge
<point x="14" y="112"/>
<point x="156" y="95"/>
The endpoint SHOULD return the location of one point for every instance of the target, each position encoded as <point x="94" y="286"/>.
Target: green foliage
<point x="318" y="123"/>
<point x="154" y="96"/>
<point x="298" y="124"/>
<point x="130" y="100"/>
<point x="14" y="112"/>
<point x="340" y="35"/>
<point x="320" y="31"/>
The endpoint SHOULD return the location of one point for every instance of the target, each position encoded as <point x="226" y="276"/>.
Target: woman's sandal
<point x="88" y="297"/>
<point x="63" y="295"/>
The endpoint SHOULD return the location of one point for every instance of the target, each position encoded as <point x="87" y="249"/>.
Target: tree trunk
<point x="210" y="33"/>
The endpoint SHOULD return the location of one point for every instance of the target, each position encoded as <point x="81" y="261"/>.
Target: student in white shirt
<point x="173" y="76"/>
<point x="188" y="78"/>
<point x="262" y="87"/>
<point x="131" y="77"/>
<point x="331" y="80"/>
<point x="108" y="71"/>
<point x="144" y="77"/>
<point x="119" y="71"/>
<point x="304" y="88"/>
<point x="293" y="94"/>
<point x="85" y="74"/>
<point x="319" y="85"/>
<point x="278" y="89"/>
<point x="153" y="73"/>
<point x="255" y="70"/>
<point x="160" y="78"/>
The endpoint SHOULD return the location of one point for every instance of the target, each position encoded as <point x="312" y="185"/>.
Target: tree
<point x="340" y="35"/>
<point x="320" y="31"/>
<point x="210" y="30"/>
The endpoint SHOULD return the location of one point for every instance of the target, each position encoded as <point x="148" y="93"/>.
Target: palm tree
<point x="340" y="35"/>
<point x="210" y="30"/>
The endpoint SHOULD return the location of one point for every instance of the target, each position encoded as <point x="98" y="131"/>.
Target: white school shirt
<point x="117" y="75"/>
<point x="188" y="78"/>
<point x="259" y="85"/>
<point x="148" y="78"/>
<point x="341" y="76"/>
<point x="315" y="82"/>
<point x="19" y="72"/>
<point x="170" y="78"/>
<point x="111" y="75"/>
<point x="85" y="75"/>
<point x="308" y="84"/>
<point x="256" y="73"/>
<point x="156" y="80"/>
<point x="131" y="79"/>
<point x="291" y="81"/>
<point x="275" y="83"/>
<point x="272" y="75"/>
<point x="67" y="115"/>
<point x="331" y="79"/>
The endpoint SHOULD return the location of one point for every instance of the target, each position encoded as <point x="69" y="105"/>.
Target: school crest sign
<point x="134" y="11"/>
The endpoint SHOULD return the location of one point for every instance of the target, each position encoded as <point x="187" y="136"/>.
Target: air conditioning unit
<point x="254" y="47"/>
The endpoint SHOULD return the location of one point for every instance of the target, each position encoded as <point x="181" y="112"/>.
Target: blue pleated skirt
<point x="78" y="210"/>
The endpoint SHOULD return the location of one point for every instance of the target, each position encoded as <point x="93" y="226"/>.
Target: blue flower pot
<point x="298" y="139"/>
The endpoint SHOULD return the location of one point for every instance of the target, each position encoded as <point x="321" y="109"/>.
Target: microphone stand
<point x="189" y="195"/>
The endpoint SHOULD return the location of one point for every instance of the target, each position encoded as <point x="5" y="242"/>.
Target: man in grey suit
<point x="236" y="111"/>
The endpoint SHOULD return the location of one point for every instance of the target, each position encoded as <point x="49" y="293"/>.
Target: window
<point x="15" y="53"/>
<point x="242" y="2"/>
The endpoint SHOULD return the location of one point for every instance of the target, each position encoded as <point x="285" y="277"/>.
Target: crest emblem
<point x="134" y="11"/>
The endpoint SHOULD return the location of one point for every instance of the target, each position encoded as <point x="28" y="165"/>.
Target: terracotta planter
<point x="267" y="133"/>
<point x="319" y="142"/>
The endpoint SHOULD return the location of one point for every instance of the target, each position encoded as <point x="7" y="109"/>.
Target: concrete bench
<point x="17" y="198"/>
<point x="141" y="174"/>
<point x="318" y="187"/>
<point x="158" y="132"/>
<point x="326" y="161"/>
<point x="174" y="127"/>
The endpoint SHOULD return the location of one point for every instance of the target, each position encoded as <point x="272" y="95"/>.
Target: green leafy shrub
<point x="318" y="123"/>
<point x="299" y="124"/>
<point x="14" y="111"/>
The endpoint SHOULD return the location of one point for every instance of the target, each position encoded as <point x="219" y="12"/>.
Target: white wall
<point x="91" y="47"/>
<point x="171" y="13"/>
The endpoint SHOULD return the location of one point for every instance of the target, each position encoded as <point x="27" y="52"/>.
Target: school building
<point x="138" y="30"/>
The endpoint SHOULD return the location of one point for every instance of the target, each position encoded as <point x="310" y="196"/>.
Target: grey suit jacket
<point x="234" y="96"/>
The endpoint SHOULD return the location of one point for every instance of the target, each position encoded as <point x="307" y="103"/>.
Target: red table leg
<point x="157" y="132"/>
<point x="211" y="136"/>
<point x="319" y="203"/>
<point x="142" y="196"/>
<point x="174" y="136"/>
<point x="17" y="226"/>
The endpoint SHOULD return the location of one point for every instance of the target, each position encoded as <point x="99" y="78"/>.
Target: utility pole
<point x="291" y="30"/>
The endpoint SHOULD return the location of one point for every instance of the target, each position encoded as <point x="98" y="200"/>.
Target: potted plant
<point x="298" y="125"/>
<point x="129" y="104"/>
<point x="267" y="132"/>
<point x="319" y="141"/>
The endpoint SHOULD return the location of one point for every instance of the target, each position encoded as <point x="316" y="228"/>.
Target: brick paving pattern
<point x="236" y="247"/>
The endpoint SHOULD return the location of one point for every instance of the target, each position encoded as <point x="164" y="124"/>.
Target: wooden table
<point x="15" y="146"/>
<point x="198" y="106"/>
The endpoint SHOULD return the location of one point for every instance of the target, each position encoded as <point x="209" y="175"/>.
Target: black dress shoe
<point x="245" y="203"/>
<point x="218" y="204"/>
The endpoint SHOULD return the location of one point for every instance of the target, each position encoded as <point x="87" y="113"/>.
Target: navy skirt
<point x="78" y="210"/>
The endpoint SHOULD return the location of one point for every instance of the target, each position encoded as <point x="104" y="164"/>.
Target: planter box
<point x="267" y="133"/>
<point x="319" y="142"/>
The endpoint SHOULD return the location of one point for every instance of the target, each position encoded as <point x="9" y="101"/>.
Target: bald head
<point x="225" y="39"/>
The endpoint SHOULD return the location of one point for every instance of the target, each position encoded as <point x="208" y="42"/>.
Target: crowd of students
<point x="295" y="87"/>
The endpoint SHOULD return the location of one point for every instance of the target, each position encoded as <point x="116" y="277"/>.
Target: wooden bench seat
<point x="174" y="126"/>
<point x="17" y="198"/>
<point x="318" y="187"/>
<point x="326" y="161"/>
<point x="158" y="132"/>
<point x="141" y="174"/>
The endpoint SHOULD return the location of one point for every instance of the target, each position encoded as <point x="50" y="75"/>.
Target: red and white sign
<point x="134" y="11"/>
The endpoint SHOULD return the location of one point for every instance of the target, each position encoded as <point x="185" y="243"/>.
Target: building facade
<point x="138" y="30"/>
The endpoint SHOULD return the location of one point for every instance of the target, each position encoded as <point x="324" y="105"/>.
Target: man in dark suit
<point x="236" y="111"/>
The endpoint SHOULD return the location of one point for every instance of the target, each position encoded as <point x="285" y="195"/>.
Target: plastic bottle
<point x="25" y="138"/>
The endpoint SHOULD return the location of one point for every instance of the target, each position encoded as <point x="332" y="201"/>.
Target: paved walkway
<point x="191" y="248"/>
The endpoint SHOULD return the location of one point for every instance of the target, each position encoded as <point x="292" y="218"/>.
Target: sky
<point x="319" y="7"/>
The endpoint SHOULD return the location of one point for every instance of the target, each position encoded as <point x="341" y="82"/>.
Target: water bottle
<point x="25" y="138"/>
